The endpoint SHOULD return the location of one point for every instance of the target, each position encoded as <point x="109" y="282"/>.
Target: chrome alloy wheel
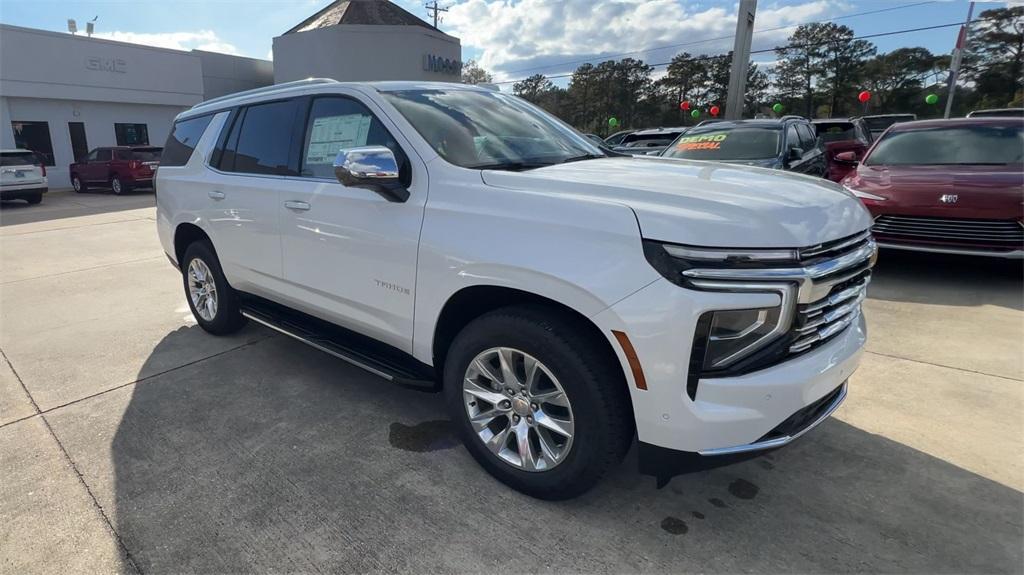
<point x="202" y="289"/>
<point x="518" y="409"/>
<point x="115" y="185"/>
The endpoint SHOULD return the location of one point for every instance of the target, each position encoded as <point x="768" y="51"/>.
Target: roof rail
<point x="266" y="90"/>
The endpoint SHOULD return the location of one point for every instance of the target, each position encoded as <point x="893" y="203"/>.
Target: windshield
<point x="711" y="143"/>
<point x="836" y="132"/>
<point x="146" y="154"/>
<point x="475" y="129"/>
<point x="992" y="144"/>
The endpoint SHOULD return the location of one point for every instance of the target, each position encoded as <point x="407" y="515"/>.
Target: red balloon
<point x="864" y="96"/>
<point x="714" y="110"/>
<point x="684" y="105"/>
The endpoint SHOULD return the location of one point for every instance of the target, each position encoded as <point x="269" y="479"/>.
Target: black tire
<point x="34" y="199"/>
<point x="78" y="184"/>
<point x="228" y="317"/>
<point x="594" y="382"/>
<point x="118" y="186"/>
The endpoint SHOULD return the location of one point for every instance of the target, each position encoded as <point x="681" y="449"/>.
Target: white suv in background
<point x="450" y="237"/>
<point x="22" y="176"/>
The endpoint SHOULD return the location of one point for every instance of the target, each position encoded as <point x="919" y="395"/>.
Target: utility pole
<point x="740" y="59"/>
<point x="958" y="55"/>
<point x="432" y="7"/>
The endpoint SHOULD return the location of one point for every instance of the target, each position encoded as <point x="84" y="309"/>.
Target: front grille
<point x="1008" y="234"/>
<point x="819" y="321"/>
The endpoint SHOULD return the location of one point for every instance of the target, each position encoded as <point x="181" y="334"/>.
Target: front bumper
<point x="728" y="416"/>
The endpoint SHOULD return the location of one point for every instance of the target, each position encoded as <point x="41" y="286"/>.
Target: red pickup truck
<point x="121" y="168"/>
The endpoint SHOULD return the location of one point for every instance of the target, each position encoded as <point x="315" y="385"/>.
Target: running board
<point x="375" y="357"/>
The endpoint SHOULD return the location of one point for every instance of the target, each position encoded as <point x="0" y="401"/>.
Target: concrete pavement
<point x="132" y="441"/>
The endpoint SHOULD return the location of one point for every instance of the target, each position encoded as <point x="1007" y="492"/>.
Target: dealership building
<point x="62" y="95"/>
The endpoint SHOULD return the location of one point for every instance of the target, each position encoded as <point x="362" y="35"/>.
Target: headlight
<point x="725" y="337"/>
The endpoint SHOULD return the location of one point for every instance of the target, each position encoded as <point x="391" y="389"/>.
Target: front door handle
<point x="296" y="205"/>
<point x="216" y="195"/>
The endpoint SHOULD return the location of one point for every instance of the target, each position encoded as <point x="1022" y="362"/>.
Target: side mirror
<point x="846" y="157"/>
<point x="373" y="168"/>
<point x="794" y="154"/>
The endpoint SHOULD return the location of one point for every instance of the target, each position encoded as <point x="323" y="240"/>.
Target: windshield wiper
<point x="582" y="157"/>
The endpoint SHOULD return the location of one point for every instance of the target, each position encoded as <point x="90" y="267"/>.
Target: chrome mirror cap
<point x="373" y="168"/>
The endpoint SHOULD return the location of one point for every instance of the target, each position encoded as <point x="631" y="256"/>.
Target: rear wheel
<point x="213" y="302"/>
<point x="119" y="186"/>
<point x="34" y="199"/>
<point x="538" y="403"/>
<point x="78" y="184"/>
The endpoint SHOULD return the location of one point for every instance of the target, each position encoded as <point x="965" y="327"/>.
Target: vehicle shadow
<point x="276" y="457"/>
<point x="68" y="204"/>
<point x="918" y="277"/>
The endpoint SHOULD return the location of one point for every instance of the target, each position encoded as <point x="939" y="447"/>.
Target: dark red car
<point x="121" y="168"/>
<point x="842" y="135"/>
<point x="951" y="186"/>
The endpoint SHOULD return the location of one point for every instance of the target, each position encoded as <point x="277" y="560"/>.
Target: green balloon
<point x="695" y="113"/>
<point x="931" y="99"/>
<point x="613" y="121"/>
<point x="777" y="108"/>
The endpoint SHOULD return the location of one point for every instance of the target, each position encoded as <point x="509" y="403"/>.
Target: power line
<point x="786" y="47"/>
<point x="706" y="40"/>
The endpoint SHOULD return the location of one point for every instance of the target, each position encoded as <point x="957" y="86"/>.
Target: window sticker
<point x="331" y="134"/>
<point x="702" y="142"/>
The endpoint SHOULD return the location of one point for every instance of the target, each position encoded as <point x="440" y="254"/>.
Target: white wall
<point x="41" y="64"/>
<point x="224" y="74"/>
<point x="98" y="117"/>
<point x="363" y="53"/>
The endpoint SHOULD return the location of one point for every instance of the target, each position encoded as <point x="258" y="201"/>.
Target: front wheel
<point x="78" y="184"/>
<point x="213" y="302"/>
<point x="537" y="401"/>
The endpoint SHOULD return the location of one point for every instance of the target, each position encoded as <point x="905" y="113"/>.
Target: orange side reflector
<point x="634" y="362"/>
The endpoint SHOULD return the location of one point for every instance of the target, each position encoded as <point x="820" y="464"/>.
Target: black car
<point x="788" y="143"/>
<point x="651" y="141"/>
<point x="878" y="123"/>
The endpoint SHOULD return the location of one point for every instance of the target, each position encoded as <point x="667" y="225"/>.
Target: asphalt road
<point x="131" y="441"/>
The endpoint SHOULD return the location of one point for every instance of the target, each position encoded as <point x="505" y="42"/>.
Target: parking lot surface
<point x="131" y="441"/>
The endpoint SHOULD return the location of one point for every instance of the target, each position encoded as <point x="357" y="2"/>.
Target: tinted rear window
<point x="18" y="159"/>
<point x="146" y="154"/>
<point x="949" y="145"/>
<point x="264" y="140"/>
<point x="182" y="141"/>
<point x="836" y="132"/>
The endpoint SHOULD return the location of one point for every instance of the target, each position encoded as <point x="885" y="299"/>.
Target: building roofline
<point x="333" y="3"/>
<point x="80" y="38"/>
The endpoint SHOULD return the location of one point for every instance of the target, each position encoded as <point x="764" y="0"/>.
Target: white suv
<point x="22" y="176"/>
<point x="449" y="237"/>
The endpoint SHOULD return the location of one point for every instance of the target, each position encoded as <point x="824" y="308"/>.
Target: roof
<point x="360" y="12"/>
<point x="652" y="131"/>
<point x="15" y="151"/>
<point x="762" y="123"/>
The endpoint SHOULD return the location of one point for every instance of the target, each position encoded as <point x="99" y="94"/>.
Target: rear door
<point x="244" y="203"/>
<point x="18" y="170"/>
<point x="98" y="169"/>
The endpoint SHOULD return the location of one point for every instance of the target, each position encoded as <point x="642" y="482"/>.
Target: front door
<point x="349" y="254"/>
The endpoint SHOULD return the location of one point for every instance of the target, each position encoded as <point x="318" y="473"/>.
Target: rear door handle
<point x="216" y="195"/>
<point x="296" y="205"/>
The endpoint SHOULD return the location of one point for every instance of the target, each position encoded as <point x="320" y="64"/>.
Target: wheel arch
<point x="186" y="234"/>
<point x="474" y="301"/>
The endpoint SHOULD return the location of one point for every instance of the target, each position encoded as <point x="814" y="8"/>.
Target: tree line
<point x="818" y="73"/>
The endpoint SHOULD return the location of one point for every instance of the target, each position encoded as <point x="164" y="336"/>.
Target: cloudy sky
<point x="511" y="38"/>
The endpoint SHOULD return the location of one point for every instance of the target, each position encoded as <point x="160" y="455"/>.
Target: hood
<point x="706" y="203"/>
<point x="979" y="191"/>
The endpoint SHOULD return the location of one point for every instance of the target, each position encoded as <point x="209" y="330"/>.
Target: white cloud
<point x="200" y="40"/>
<point x="541" y="36"/>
